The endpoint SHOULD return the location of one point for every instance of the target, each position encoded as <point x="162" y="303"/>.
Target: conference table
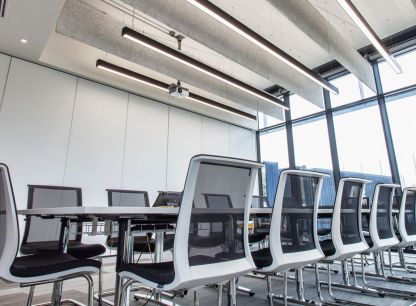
<point x="124" y="217"/>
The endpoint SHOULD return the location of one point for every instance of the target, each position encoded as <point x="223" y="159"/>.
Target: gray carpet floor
<point x="11" y="294"/>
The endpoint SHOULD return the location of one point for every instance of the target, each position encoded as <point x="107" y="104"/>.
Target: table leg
<point x="122" y="227"/>
<point x="63" y="246"/>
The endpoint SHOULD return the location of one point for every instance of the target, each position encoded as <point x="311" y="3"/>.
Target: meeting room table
<point x="125" y="217"/>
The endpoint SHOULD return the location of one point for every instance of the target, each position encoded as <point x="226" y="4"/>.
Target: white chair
<point x="195" y="266"/>
<point x="293" y="236"/>
<point x="381" y="238"/>
<point x="346" y="239"/>
<point x="406" y="225"/>
<point x="34" y="269"/>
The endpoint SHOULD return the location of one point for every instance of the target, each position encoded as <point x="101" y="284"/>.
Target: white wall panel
<point x="145" y="155"/>
<point x="185" y="131"/>
<point x="34" y="125"/>
<point x="4" y="68"/>
<point x="215" y="137"/>
<point x="242" y="143"/>
<point x="97" y="141"/>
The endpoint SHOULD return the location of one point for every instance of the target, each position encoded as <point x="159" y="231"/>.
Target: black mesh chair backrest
<point x="297" y="225"/>
<point x="3" y="210"/>
<point x="350" y="220"/>
<point x="168" y="198"/>
<point x="260" y="202"/>
<point x="127" y="198"/>
<point x="384" y="213"/>
<point x="40" y="196"/>
<point x="410" y="212"/>
<point x="217" y="216"/>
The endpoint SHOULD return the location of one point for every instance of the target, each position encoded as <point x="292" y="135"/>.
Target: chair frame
<point x="187" y="276"/>
<point x="11" y="247"/>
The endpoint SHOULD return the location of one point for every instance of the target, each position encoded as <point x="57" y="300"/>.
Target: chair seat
<point x="323" y="231"/>
<point x="262" y="258"/>
<point x="327" y="247"/>
<point x="257" y="237"/>
<point x="49" y="263"/>
<point x="144" y="245"/>
<point x="160" y="273"/>
<point x="75" y="248"/>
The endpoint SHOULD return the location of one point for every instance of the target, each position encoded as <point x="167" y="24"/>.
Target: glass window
<point x="402" y="112"/>
<point x="350" y="90"/>
<point x="266" y="121"/>
<point x="274" y="153"/>
<point x="390" y="80"/>
<point x="300" y="107"/>
<point x="361" y="146"/>
<point x="312" y="152"/>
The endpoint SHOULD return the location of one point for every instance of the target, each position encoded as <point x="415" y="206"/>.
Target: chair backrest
<point x="346" y="230"/>
<point x="217" y="190"/>
<point x="129" y="198"/>
<point x="407" y="216"/>
<point x="381" y="218"/>
<point x="168" y="198"/>
<point x="260" y="202"/>
<point x="9" y="226"/>
<point x="293" y="232"/>
<point x="41" y="196"/>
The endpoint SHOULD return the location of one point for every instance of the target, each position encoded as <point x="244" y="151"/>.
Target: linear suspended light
<point x="232" y="23"/>
<point x="165" y="87"/>
<point x="360" y="21"/>
<point x="189" y="61"/>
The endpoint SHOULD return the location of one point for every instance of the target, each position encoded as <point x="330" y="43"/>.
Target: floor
<point x="13" y="295"/>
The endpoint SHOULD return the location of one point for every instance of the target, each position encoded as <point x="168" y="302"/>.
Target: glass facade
<point x="357" y="135"/>
<point x="312" y="152"/>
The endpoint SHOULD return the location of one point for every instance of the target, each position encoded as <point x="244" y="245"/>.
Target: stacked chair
<point x="194" y="266"/>
<point x="40" y="268"/>
<point x="293" y="240"/>
<point x="43" y="235"/>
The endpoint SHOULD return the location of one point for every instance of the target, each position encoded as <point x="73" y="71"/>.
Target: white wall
<point x="57" y="129"/>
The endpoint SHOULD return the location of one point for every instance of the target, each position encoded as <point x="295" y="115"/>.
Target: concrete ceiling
<point x="97" y="35"/>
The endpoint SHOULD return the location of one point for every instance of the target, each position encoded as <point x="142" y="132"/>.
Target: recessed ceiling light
<point x="23" y="41"/>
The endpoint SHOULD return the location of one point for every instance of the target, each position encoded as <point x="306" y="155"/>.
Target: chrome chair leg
<point x="385" y="291"/>
<point x="269" y="289"/>
<point x="90" y="290"/>
<point x="220" y="288"/>
<point x="196" y="298"/>
<point x="319" y="288"/>
<point x="232" y="293"/>
<point x="30" y="296"/>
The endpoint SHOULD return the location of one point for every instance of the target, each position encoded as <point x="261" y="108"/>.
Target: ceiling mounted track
<point x="101" y="64"/>
<point x="191" y="62"/>
<point x="235" y="25"/>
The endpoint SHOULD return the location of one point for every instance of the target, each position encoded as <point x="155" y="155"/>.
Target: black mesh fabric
<point x="297" y="214"/>
<point x="350" y="217"/>
<point x="126" y="198"/>
<point x="130" y="198"/>
<point x="39" y="229"/>
<point x="410" y="213"/>
<point x="261" y="223"/>
<point x="168" y="198"/>
<point x="384" y="213"/>
<point x="218" y="214"/>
